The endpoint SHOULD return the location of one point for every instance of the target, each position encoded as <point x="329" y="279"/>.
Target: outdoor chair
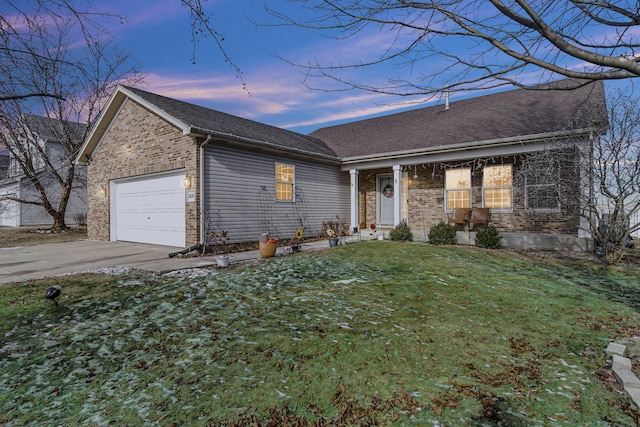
<point x="458" y="216"/>
<point x="479" y="216"/>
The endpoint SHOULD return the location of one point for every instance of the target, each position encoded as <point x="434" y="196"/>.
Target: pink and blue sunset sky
<point x="159" y="37"/>
<point x="157" y="33"/>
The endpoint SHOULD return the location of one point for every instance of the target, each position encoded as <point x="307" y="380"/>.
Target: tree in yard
<point x="54" y="62"/>
<point x="469" y="45"/>
<point x="600" y="178"/>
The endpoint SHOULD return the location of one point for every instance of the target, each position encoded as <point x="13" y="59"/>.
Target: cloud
<point x="264" y="98"/>
<point x="138" y="14"/>
<point x="273" y="97"/>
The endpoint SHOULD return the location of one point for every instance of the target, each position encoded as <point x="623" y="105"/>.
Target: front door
<point x="386" y="192"/>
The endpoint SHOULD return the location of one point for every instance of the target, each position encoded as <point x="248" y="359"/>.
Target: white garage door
<point x="149" y="210"/>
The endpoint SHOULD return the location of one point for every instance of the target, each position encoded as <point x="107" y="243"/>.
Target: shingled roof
<point x="509" y="114"/>
<point x="207" y="121"/>
<point x="52" y="129"/>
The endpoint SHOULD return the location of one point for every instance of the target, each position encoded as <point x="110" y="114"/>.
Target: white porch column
<point x="397" y="194"/>
<point x="355" y="207"/>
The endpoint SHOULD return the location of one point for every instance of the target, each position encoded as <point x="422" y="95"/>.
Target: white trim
<point x="113" y="207"/>
<point x="355" y="207"/>
<point x="276" y="182"/>
<point x="444" y="154"/>
<point x="201" y="215"/>
<point x="509" y="187"/>
<point x="498" y="142"/>
<point x="102" y="135"/>
<point x="110" y="112"/>
<point x="446" y="190"/>
<point x="397" y="194"/>
<point x="160" y="112"/>
<point x="379" y="197"/>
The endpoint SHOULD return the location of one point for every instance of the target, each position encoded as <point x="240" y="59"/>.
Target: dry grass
<point x="28" y="236"/>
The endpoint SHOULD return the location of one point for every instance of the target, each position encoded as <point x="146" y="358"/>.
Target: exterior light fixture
<point x="103" y="190"/>
<point x="187" y="181"/>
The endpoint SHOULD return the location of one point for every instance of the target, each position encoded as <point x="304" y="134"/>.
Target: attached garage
<point x="149" y="209"/>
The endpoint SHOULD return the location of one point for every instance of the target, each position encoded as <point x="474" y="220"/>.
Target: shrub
<point x="80" y="219"/>
<point x="401" y="232"/>
<point x="442" y="234"/>
<point x="488" y="237"/>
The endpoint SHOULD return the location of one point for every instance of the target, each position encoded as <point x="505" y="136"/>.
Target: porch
<point x="427" y="194"/>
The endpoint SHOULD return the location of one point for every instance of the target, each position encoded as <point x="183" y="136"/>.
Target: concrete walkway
<point x="36" y="262"/>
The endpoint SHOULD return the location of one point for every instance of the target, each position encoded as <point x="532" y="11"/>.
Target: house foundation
<point x="542" y="242"/>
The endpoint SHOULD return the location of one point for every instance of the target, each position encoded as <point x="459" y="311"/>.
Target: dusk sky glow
<point x="158" y="36"/>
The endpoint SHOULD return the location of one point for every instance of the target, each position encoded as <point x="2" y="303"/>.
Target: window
<point x="541" y="186"/>
<point x="496" y="187"/>
<point x="285" y="182"/>
<point x="457" y="191"/>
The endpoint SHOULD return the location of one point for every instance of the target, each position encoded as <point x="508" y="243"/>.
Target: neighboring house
<point x="4" y="163"/>
<point x="148" y="156"/>
<point x="41" y="132"/>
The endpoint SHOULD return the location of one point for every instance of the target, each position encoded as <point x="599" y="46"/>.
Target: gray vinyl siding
<point x="35" y="215"/>
<point x="239" y="195"/>
<point x="9" y="210"/>
<point x="32" y="215"/>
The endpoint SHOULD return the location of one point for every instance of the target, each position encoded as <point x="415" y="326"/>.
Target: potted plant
<point x="335" y="230"/>
<point x="219" y="241"/>
<point x="268" y="245"/>
<point x="333" y="238"/>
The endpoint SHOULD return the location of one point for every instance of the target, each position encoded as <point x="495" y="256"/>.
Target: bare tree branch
<point x="52" y="90"/>
<point x="30" y="95"/>
<point x="601" y="178"/>
<point x="500" y="42"/>
<point x="202" y="26"/>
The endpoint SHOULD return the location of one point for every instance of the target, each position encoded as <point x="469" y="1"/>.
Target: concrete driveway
<point x="36" y="262"/>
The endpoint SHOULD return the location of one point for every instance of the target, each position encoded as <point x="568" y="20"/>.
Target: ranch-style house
<point x="168" y="172"/>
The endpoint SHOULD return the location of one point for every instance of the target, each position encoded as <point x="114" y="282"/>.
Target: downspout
<point x="201" y="184"/>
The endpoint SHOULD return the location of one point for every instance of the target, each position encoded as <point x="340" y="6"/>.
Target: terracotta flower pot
<point x="267" y="250"/>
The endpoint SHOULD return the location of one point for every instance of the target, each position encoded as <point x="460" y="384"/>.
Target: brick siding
<point x="138" y="143"/>
<point x="426" y="204"/>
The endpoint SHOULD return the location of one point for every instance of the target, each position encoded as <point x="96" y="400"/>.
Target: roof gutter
<point x="442" y="149"/>
<point x="265" y="144"/>
<point x="201" y="185"/>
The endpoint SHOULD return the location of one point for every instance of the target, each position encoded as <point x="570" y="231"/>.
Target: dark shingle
<point x="218" y="123"/>
<point x="507" y="114"/>
<point x="52" y="129"/>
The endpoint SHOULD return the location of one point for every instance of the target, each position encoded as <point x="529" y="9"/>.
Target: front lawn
<point x="376" y="333"/>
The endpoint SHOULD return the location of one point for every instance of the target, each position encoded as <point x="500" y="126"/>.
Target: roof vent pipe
<point x="446" y="98"/>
